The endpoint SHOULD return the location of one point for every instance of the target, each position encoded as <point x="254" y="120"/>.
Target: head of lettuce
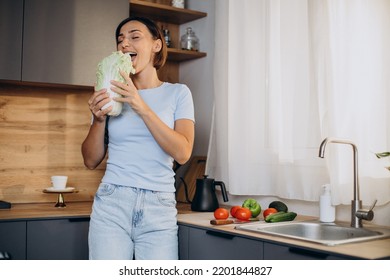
<point x="109" y="69"/>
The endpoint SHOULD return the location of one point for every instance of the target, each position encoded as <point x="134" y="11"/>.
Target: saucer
<point x="66" y="190"/>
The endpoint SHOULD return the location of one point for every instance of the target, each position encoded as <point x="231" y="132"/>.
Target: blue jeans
<point x="129" y="223"/>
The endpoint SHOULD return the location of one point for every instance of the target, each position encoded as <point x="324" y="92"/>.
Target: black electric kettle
<point x="205" y="199"/>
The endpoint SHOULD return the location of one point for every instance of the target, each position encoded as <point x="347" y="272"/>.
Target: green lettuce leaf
<point x="107" y="70"/>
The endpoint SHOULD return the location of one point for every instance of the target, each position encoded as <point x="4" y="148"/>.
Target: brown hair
<point x="161" y="56"/>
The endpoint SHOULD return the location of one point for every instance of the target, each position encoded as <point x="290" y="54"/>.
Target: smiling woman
<point x="154" y="128"/>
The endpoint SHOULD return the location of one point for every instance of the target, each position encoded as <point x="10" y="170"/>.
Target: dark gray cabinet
<point x="184" y="233"/>
<point x="201" y="244"/>
<point x="57" y="41"/>
<point x="47" y="239"/>
<point x="13" y="239"/>
<point x="11" y="34"/>
<point x="274" y="251"/>
<point x="196" y="243"/>
<point x="62" y="239"/>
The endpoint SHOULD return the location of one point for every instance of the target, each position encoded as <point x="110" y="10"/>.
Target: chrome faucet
<point x="357" y="213"/>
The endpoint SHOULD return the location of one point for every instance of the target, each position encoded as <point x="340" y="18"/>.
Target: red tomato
<point x="221" y="214"/>
<point x="269" y="211"/>
<point x="243" y="214"/>
<point x="234" y="209"/>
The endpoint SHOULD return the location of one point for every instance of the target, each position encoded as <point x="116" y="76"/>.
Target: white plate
<point x="66" y="190"/>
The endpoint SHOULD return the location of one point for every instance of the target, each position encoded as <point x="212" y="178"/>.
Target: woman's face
<point x="134" y="38"/>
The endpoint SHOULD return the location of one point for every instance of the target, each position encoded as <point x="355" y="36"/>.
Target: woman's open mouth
<point x="132" y="55"/>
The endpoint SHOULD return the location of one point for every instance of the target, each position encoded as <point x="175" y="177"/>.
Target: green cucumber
<point x="280" y="217"/>
<point x="273" y="215"/>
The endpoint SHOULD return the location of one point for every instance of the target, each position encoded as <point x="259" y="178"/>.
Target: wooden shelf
<point x="171" y="18"/>
<point x="164" y="13"/>
<point x="28" y="86"/>
<point x="178" y="55"/>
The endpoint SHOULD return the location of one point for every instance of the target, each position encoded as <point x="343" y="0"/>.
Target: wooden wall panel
<point x="169" y="72"/>
<point x="41" y="131"/>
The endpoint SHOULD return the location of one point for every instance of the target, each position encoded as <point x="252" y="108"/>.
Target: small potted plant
<point x="382" y="155"/>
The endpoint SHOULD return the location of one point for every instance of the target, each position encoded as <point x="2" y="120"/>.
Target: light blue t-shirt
<point x="134" y="157"/>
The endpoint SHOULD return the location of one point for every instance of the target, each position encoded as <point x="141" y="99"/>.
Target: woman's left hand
<point x="130" y="94"/>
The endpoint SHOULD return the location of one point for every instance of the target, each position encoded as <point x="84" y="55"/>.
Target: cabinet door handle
<point x="220" y="234"/>
<point x="76" y="220"/>
<point x="314" y="254"/>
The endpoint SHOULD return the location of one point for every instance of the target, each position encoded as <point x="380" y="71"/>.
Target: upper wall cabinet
<point x="63" y="41"/>
<point x="11" y="30"/>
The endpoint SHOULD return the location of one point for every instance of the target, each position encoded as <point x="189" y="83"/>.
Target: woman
<point x="134" y="210"/>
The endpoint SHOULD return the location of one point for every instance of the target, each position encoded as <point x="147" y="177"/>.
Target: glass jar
<point x="178" y="3"/>
<point x="189" y="41"/>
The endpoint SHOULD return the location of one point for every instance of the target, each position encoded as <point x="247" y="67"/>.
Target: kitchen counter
<point x="376" y="249"/>
<point x="47" y="210"/>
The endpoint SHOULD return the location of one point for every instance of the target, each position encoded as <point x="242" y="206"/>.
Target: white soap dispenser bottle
<point x="327" y="210"/>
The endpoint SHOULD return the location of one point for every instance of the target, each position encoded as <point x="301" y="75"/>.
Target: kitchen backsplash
<point x="41" y="130"/>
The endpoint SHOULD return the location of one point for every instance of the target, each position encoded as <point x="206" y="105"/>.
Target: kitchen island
<point x="36" y="228"/>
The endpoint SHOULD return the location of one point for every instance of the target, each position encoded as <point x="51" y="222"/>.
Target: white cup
<point x="59" y="182"/>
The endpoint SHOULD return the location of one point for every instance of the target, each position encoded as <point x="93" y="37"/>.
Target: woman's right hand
<point x="96" y="102"/>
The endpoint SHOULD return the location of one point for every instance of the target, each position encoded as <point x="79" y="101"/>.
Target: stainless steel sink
<point x="324" y="233"/>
